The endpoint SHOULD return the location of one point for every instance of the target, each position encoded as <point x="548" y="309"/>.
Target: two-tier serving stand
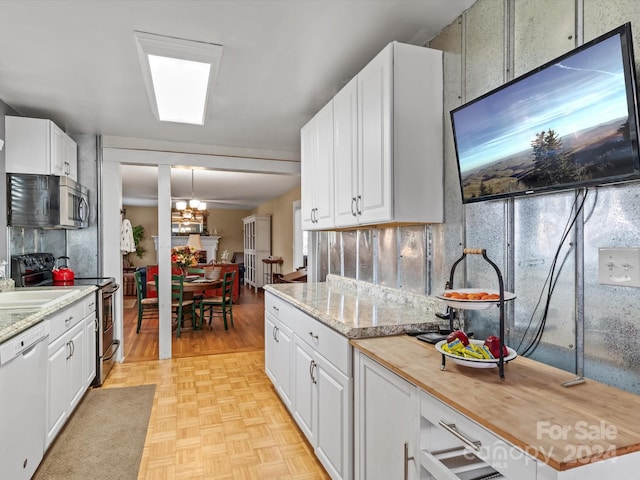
<point x="461" y="305"/>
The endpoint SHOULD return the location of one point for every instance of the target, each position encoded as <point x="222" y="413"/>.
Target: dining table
<point x="190" y="287"/>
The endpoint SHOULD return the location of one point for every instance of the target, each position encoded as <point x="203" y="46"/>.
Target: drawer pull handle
<point x="406" y="461"/>
<point x="315" y="337"/>
<point x="452" y="429"/>
<point x="275" y="334"/>
<point x="68" y="320"/>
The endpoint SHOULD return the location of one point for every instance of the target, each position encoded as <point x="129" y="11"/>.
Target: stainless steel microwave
<point x="46" y="201"/>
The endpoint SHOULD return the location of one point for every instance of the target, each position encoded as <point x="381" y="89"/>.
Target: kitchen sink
<point x="32" y="298"/>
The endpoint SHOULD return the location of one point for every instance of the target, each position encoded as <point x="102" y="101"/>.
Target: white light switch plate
<point x="619" y="266"/>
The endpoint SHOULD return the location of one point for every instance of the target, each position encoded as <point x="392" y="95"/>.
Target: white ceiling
<point x="75" y="61"/>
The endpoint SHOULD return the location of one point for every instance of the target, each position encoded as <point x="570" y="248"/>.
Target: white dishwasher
<point x="23" y="387"/>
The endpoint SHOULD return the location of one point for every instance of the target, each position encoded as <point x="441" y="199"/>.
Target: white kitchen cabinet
<point x="386" y="423"/>
<point x="70" y="158"/>
<point x="441" y="443"/>
<point x="334" y="412"/>
<point x="345" y="150"/>
<point x="68" y="363"/>
<point x="453" y="445"/>
<point x="39" y="146"/>
<point x="278" y="356"/>
<point x="316" y="167"/>
<point x="388" y="140"/>
<point x="321" y="406"/>
<point x="304" y="394"/>
<point x="257" y="247"/>
<point x="91" y="330"/>
<point x="320" y="378"/>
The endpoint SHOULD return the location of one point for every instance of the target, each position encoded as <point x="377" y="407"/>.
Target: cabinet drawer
<point x="324" y="340"/>
<point x="89" y="304"/>
<point x="280" y="309"/>
<point x="64" y="319"/>
<point x="451" y="430"/>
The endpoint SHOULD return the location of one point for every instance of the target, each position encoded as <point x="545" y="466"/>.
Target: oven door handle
<point x="115" y="343"/>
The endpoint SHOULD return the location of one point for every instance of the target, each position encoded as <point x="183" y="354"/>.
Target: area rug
<point x="104" y="437"/>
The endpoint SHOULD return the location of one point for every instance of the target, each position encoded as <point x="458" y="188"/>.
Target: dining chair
<point x="146" y="306"/>
<point x="221" y="305"/>
<point x="197" y="296"/>
<point x="178" y="303"/>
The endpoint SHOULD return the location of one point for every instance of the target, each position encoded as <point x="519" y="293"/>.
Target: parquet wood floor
<point x="215" y="415"/>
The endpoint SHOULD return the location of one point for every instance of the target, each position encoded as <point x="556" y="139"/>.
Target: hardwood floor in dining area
<point x="216" y="414"/>
<point x="246" y="336"/>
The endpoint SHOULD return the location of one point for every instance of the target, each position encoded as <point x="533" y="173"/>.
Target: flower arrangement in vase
<point x="184" y="256"/>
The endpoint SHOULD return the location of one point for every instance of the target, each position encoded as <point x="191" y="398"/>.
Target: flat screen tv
<point x="567" y="124"/>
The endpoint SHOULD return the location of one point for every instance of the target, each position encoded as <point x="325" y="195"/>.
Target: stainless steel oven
<point x="107" y="344"/>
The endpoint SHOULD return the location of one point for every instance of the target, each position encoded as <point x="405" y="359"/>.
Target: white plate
<point x="472" y="362"/>
<point x="474" y="304"/>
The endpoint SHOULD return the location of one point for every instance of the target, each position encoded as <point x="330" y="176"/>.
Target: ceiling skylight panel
<point x="178" y="75"/>
<point x="180" y="88"/>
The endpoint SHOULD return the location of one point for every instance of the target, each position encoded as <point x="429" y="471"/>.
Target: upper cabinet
<point x="387" y="141"/>
<point x="39" y="146"/>
<point x="317" y="171"/>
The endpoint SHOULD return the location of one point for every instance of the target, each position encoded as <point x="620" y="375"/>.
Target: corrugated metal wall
<point x="490" y="44"/>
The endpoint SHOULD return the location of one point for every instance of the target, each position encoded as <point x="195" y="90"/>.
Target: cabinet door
<point x="277" y="353"/>
<point x="387" y="419"/>
<point x="345" y="142"/>
<point x="70" y="158"/>
<point x="324" y="169"/>
<point x="76" y="364"/>
<point x="57" y="150"/>
<point x="57" y="391"/>
<point x="284" y="338"/>
<point x="271" y="350"/>
<point x="308" y="149"/>
<point x="304" y="388"/>
<point x="90" y="350"/>
<point x="317" y="170"/>
<point x="375" y="133"/>
<point x="333" y="433"/>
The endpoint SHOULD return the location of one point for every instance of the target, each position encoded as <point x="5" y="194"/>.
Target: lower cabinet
<point x="404" y="432"/>
<point x="277" y="350"/>
<point x="386" y="423"/>
<point x="71" y="361"/>
<point x="313" y="363"/>
<point x="91" y="329"/>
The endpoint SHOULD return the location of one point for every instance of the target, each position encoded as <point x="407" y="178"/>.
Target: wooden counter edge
<point x="555" y="375"/>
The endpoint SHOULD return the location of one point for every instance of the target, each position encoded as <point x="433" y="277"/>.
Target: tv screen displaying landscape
<point x="567" y="124"/>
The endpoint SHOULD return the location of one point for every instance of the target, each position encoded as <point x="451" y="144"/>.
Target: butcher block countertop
<point x="564" y="427"/>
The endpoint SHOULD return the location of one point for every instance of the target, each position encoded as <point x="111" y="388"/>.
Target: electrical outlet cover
<point x="619" y="266"/>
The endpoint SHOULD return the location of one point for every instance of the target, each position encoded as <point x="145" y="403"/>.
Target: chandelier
<point x="189" y="211"/>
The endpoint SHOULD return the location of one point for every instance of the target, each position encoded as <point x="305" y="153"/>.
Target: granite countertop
<point x="360" y="309"/>
<point x="13" y="322"/>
